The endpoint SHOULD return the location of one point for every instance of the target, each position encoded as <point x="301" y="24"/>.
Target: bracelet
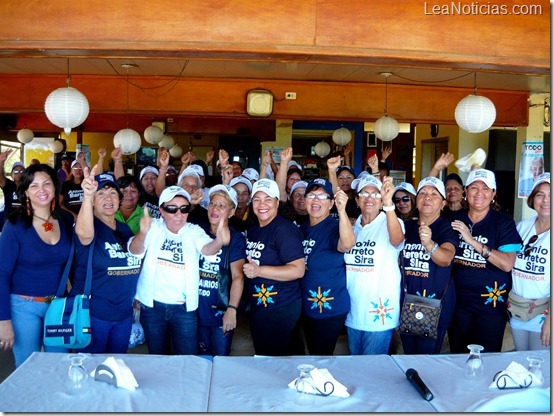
<point x="488" y="253"/>
<point x="232" y="307"/>
<point x="389" y="208"/>
<point x="435" y="247"/>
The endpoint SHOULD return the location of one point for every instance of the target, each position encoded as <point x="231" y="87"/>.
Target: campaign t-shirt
<point x="151" y="202"/>
<point x="72" y="196"/>
<point x="208" y="315"/>
<point x="115" y="272"/>
<point x="324" y="292"/>
<point x="531" y="273"/>
<point x="373" y="277"/>
<point x="480" y="285"/>
<point x="422" y="276"/>
<point x="275" y="244"/>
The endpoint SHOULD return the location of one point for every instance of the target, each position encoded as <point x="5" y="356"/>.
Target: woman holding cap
<point x="427" y="261"/>
<point x="168" y="285"/>
<point x="484" y="258"/>
<point x="325" y="300"/>
<point x="275" y="265"/>
<point x="531" y="274"/>
<point x="404" y="198"/>
<point x="35" y="246"/>
<point x="115" y="270"/>
<point x="216" y="325"/>
<point x="372" y="272"/>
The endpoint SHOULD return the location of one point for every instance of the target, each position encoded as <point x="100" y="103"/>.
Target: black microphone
<point x="413" y="377"/>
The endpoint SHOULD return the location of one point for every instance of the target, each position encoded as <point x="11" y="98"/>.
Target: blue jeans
<point x="169" y="329"/>
<point x="28" y="327"/>
<point x="368" y="342"/>
<point x="212" y="340"/>
<point x="109" y="337"/>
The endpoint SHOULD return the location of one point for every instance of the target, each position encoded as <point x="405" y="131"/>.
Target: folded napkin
<point x="515" y="376"/>
<point x="319" y="377"/>
<point x="115" y="371"/>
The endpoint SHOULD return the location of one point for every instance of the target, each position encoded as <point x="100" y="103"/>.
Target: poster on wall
<point x="531" y="166"/>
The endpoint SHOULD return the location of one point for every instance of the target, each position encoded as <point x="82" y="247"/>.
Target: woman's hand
<point x="89" y="184"/>
<point x="223" y="158"/>
<point x="463" y="229"/>
<point x="333" y="163"/>
<point x="163" y="158"/>
<point x="387" y="190"/>
<point x="425" y="235"/>
<point x="229" y="320"/>
<point x="7" y="337"/>
<point x="117" y="154"/>
<point x="227" y="174"/>
<point x="545" y="331"/>
<point x="145" y="221"/>
<point x="223" y="233"/>
<point x="373" y="163"/>
<point x="340" y="200"/>
<point x="251" y="269"/>
<point x="286" y="155"/>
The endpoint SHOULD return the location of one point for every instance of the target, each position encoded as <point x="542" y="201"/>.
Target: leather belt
<point x="40" y="299"/>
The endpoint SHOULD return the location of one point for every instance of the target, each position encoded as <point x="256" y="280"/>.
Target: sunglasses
<point x="528" y="247"/>
<point x="396" y="200"/>
<point x="172" y="209"/>
<point x="17" y="171"/>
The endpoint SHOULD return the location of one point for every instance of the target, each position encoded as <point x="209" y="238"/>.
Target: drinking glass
<point x="304" y="385"/>
<point x="76" y="375"/>
<point x="474" y="364"/>
<point x="535" y="367"/>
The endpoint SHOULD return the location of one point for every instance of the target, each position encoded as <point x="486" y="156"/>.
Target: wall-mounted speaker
<point x="259" y="103"/>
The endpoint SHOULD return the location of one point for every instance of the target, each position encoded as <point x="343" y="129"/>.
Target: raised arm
<point x="442" y="162"/>
<point x="347" y="239"/>
<point x="102" y="152"/>
<point x="163" y="163"/>
<point x="3" y="158"/>
<point x="84" y="226"/>
<point x="117" y="157"/>
<point x="332" y="164"/>
<point x="281" y="177"/>
<point x="396" y="235"/>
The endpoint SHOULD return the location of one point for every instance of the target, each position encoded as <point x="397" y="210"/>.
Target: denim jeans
<point x="28" y="327"/>
<point x="368" y="342"/>
<point x="212" y="340"/>
<point x="170" y="329"/>
<point x="109" y="337"/>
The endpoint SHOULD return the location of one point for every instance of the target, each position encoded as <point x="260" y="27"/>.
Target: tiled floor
<point x="242" y="346"/>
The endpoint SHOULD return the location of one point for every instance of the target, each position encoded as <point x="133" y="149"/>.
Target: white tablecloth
<point x="444" y="376"/>
<point x="260" y="384"/>
<point x="166" y="384"/>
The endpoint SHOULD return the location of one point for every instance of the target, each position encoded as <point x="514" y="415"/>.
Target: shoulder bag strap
<point x="88" y="279"/>
<point x="63" y="282"/>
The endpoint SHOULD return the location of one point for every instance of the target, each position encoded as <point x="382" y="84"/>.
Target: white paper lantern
<point x="475" y="113"/>
<point x="128" y="139"/>
<point x="167" y="142"/>
<point x="56" y="146"/>
<point x="386" y="128"/>
<point x="342" y="136"/>
<point x="25" y="135"/>
<point x="66" y="108"/>
<point x="176" y="151"/>
<point x="153" y="134"/>
<point x="322" y="149"/>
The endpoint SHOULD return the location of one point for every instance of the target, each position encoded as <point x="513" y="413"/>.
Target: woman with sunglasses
<point x="482" y="268"/>
<point x="168" y="284"/>
<point x="372" y="272"/>
<point x="404" y="199"/>
<point x="325" y="300"/>
<point x="531" y="273"/>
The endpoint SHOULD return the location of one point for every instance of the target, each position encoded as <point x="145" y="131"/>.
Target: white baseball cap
<point x="244" y="181"/>
<point x="363" y="174"/>
<point x="145" y="170"/>
<point x="198" y="169"/>
<point x="483" y="175"/>
<point x="434" y="182"/>
<point x="369" y="180"/>
<point x="299" y="184"/>
<point x="171" y="192"/>
<point x="228" y="189"/>
<point x="543" y="178"/>
<point x="267" y="186"/>
<point x="190" y="171"/>
<point x="406" y="187"/>
<point x="251" y="174"/>
<point x="295" y="164"/>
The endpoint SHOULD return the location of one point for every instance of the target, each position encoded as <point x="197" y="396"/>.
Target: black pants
<point x="413" y="344"/>
<point x="476" y="328"/>
<point x="272" y="329"/>
<point x="322" y="334"/>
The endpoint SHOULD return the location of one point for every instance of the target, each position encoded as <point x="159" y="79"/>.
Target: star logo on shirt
<point x="320" y="300"/>
<point x="494" y="294"/>
<point x="264" y="295"/>
<point x="381" y="310"/>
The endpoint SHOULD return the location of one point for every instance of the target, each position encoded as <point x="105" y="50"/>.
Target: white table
<point x="260" y="384"/>
<point x="166" y="384"/>
<point x="444" y="376"/>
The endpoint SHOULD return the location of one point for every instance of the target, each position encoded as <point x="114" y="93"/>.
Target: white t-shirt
<point x="170" y="266"/>
<point x="531" y="274"/>
<point x="373" y="277"/>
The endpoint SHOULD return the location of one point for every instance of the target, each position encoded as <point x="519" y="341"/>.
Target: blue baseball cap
<point x="323" y="184"/>
<point x="104" y="179"/>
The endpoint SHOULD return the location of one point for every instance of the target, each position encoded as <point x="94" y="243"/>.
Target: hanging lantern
<point x="56" y="146"/>
<point x="66" y="108"/>
<point x="475" y="113"/>
<point x="176" y="151"/>
<point x="153" y="134"/>
<point x="25" y="135"/>
<point x="386" y="128"/>
<point x="322" y="149"/>
<point x="129" y="140"/>
<point x="167" y="142"/>
<point x="342" y="136"/>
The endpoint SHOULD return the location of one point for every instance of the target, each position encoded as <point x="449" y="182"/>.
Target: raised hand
<point x="223" y="233"/>
<point x="223" y="158"/>
<point x="163" y="158"/>
<point x="4" y="155"/>
<point x="197" y="196"/>
<point x="373" y="163"/>
<point x="286" y="155"/>
<point x="340" y="199"/>
<point x="186" y="159"/>
<point x="102" y="152"/>
<point x="443" y="161"/>
<point x="333" y="163"/>
<point x="227" y="174"/>
<point x="209" y="157"/>
<point x="145" y="221"/>
<point x="387" y="190"/>
<point x="89" y="184"/>
<point x="117" y="154"/>
<point x="386" y="152"/>
<point x="425" y="234"/>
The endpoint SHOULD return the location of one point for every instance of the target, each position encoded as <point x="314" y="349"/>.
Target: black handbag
<point x="224" y="280"/>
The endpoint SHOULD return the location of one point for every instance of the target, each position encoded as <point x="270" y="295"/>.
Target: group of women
<point x="316" y="276"/>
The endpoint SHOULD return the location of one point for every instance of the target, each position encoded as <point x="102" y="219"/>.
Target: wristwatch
<point x="435" y="247"/>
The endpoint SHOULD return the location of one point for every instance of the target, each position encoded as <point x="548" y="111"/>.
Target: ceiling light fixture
<point x="475" y="113"/>
<point x="128" y="139"/>
<point x="322" y="149"/>
<point x="342" y="136"/>
<point x="386" y="128"/>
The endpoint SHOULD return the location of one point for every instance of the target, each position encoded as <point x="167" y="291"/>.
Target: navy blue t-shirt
<point x="208" y="315"/>
<point x="275" y="244"/>
<point x="422" y="276"/>
<point x="115" y="272"/>
<point x="480" y="285"/>
<point x="324" y="292"/>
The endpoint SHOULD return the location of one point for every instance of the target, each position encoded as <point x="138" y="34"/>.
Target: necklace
<point x="48" y="226"/>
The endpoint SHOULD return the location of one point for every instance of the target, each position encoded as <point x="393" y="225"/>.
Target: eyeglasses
<point x="172" y="209"/>
<point x="396" y="200"/>
<point x="77" y="168"/>
<point x="376" y="195"/>
<point x="321" y="197"/>
<point x="528" y="247"/>
<point x="18" y="171"/>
